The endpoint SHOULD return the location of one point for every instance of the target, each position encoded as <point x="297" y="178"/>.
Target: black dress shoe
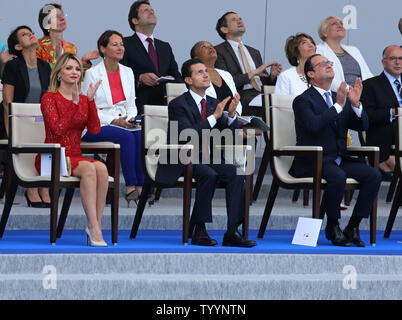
<point x="235" y="239"/>
<point x="201" y="238"/>
<point x="335" y="234"/>
<point x="353" y="235"/>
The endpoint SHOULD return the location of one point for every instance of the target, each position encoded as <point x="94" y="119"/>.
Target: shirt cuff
<point x="338" y="107"/>
<point x="230" y="120"/>
<point x="359" y="110"/>
<point x="212" y="121"/>
<point x="390" y="115"/>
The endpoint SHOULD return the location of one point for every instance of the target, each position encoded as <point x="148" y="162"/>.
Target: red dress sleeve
<point x="93" y="124"/>
<point x="58" y="123"/>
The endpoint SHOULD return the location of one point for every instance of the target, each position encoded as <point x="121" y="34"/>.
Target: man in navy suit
<point x="199" y="112"/>
<point x="381" y="96"/>
<point x="149" y="58"/>
<point x="322" y="118"/>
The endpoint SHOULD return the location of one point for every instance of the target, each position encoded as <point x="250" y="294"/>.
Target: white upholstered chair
<point x="26" y="139"/>
<point x="173" y="90"/>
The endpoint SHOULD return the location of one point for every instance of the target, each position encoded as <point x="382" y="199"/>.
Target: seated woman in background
<point x="349" y="63"/>
<point x="65" y="114"/>
<point x="115" y="102"/>
<point x="293" y="80"/>
<point x="222" y="84"/>
<point x="25" y="79"/>
<point x="52" y="21"/>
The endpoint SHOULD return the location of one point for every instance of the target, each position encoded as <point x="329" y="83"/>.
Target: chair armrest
<point x="98" y="147"/>
<point x="35" y="148"/>
<point x="372" y="152"/>
<point x="172" y="147"/>
<point x="234" y="147"/>
<point x="297" y="151"/>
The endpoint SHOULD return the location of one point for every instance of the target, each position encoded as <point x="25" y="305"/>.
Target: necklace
<point x="303" y="78"/>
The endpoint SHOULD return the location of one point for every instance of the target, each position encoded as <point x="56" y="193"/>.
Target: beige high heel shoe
<point x="94" y="243"/>
<point x="132" y="195"/>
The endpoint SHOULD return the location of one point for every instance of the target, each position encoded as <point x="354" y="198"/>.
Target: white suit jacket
<point x="324" y="50"/>
<point x="107" y="112"/>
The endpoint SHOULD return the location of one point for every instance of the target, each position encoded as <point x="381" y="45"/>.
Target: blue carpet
<point x="162" y="241"/>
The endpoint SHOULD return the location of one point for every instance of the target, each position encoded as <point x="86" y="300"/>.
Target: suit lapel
<point x="23" y="70"/>
<point x="193" y="107"/>
<point x="105" y="83"/>
<point x="388" y="90"/>
<point x="144" y="53"/>
<point x="232" y="54"/>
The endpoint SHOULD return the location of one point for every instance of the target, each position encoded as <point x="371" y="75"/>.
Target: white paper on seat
<point x="307" y="232"/>
<point x="46" y="164"/>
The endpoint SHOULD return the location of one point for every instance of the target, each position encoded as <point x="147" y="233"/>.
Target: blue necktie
<point x="398" y="87"/>
<point x="327" y="99"/>
<point x="329" y="103"/>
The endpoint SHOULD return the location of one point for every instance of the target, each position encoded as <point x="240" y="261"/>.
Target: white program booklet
<point x="46" y="164"/>
<point x="307" y="232"/>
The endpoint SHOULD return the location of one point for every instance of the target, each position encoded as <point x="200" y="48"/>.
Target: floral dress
<point x="64" y="122"/>
<point x="46" y="51"/>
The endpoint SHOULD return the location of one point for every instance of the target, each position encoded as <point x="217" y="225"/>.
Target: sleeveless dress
<point x="64" y="122"/>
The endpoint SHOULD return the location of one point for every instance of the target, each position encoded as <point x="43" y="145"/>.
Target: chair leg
<point x="268" y="207"/>
<point x="305" y="197"/>
<point x="296" y="194"/>
<point x="10" y="195"/>
<point x="261" y="174"/>
<point x="114" y="213"/>
<point x="373" y="223"/>
<point x="394" y="211"/>
<point x="158" y="193"/>
<point x="140" y="209"/>
<point x="55" y="192"/>
<point x="392" y="186"/>
<point x="247" y="207"/>
<point x="348" y="195"/>
<point x="68" y="197"/>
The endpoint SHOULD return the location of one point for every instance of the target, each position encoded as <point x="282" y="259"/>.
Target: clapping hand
<point x="341" y="94"/>
<point x="5" y="56"/>
<point x="355" y="93"/>
<point x="92" y="90"/>
<point x="233" y="105"/>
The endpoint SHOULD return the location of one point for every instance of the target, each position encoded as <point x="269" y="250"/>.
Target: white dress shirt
<point x="235" y="46"/>
<point x="144" y="38"/>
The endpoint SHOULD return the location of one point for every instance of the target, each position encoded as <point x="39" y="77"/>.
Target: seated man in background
<point x="243" y="62"/>
<point x="381" y="96"/>
<point x="322" y="118"/>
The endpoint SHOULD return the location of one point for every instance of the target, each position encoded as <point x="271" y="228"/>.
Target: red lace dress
<point x="64" y="122"/>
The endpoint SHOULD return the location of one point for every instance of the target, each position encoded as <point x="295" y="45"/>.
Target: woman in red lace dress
<point x="66" y="113"/>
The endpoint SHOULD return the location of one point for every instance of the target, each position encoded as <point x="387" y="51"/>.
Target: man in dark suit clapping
<point x="322" y="118"/>
<point x="196" y="111"/>
<point x="150" y="58"/>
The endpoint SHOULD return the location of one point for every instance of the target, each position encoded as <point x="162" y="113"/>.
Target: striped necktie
<point x="203" y="109"/>
<point x="398" y="87"/>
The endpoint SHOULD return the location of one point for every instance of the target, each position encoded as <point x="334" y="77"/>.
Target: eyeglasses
<point x="392" y="59"/>
<point x="324" y="64"/>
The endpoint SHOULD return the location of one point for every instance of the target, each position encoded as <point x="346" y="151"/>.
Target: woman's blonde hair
<point x="60" y="64"/>
<point x="322" y="27"/>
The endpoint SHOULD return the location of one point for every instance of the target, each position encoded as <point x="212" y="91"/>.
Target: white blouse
<point x="289" y="82"/>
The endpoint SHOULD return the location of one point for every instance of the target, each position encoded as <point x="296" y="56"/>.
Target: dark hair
<point x="186" y="67"/>
<point x="104" y="39"/>
<point x="12" y="40"/>
<point x="43" y="14"/>
<point x="291" y="47"/>
<point x="308" y="66"/>
<point x="222" y="23"/>
<point x="194" y="49"/>
<point x="133" y="13"/>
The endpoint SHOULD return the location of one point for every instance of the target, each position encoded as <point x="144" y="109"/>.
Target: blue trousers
<point x="130" y="151"/>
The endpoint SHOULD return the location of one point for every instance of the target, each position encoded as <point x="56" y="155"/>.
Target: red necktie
<point x="205" y="145"/>
<point x="203" y="109"/>
<point x="152" y="54"/>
